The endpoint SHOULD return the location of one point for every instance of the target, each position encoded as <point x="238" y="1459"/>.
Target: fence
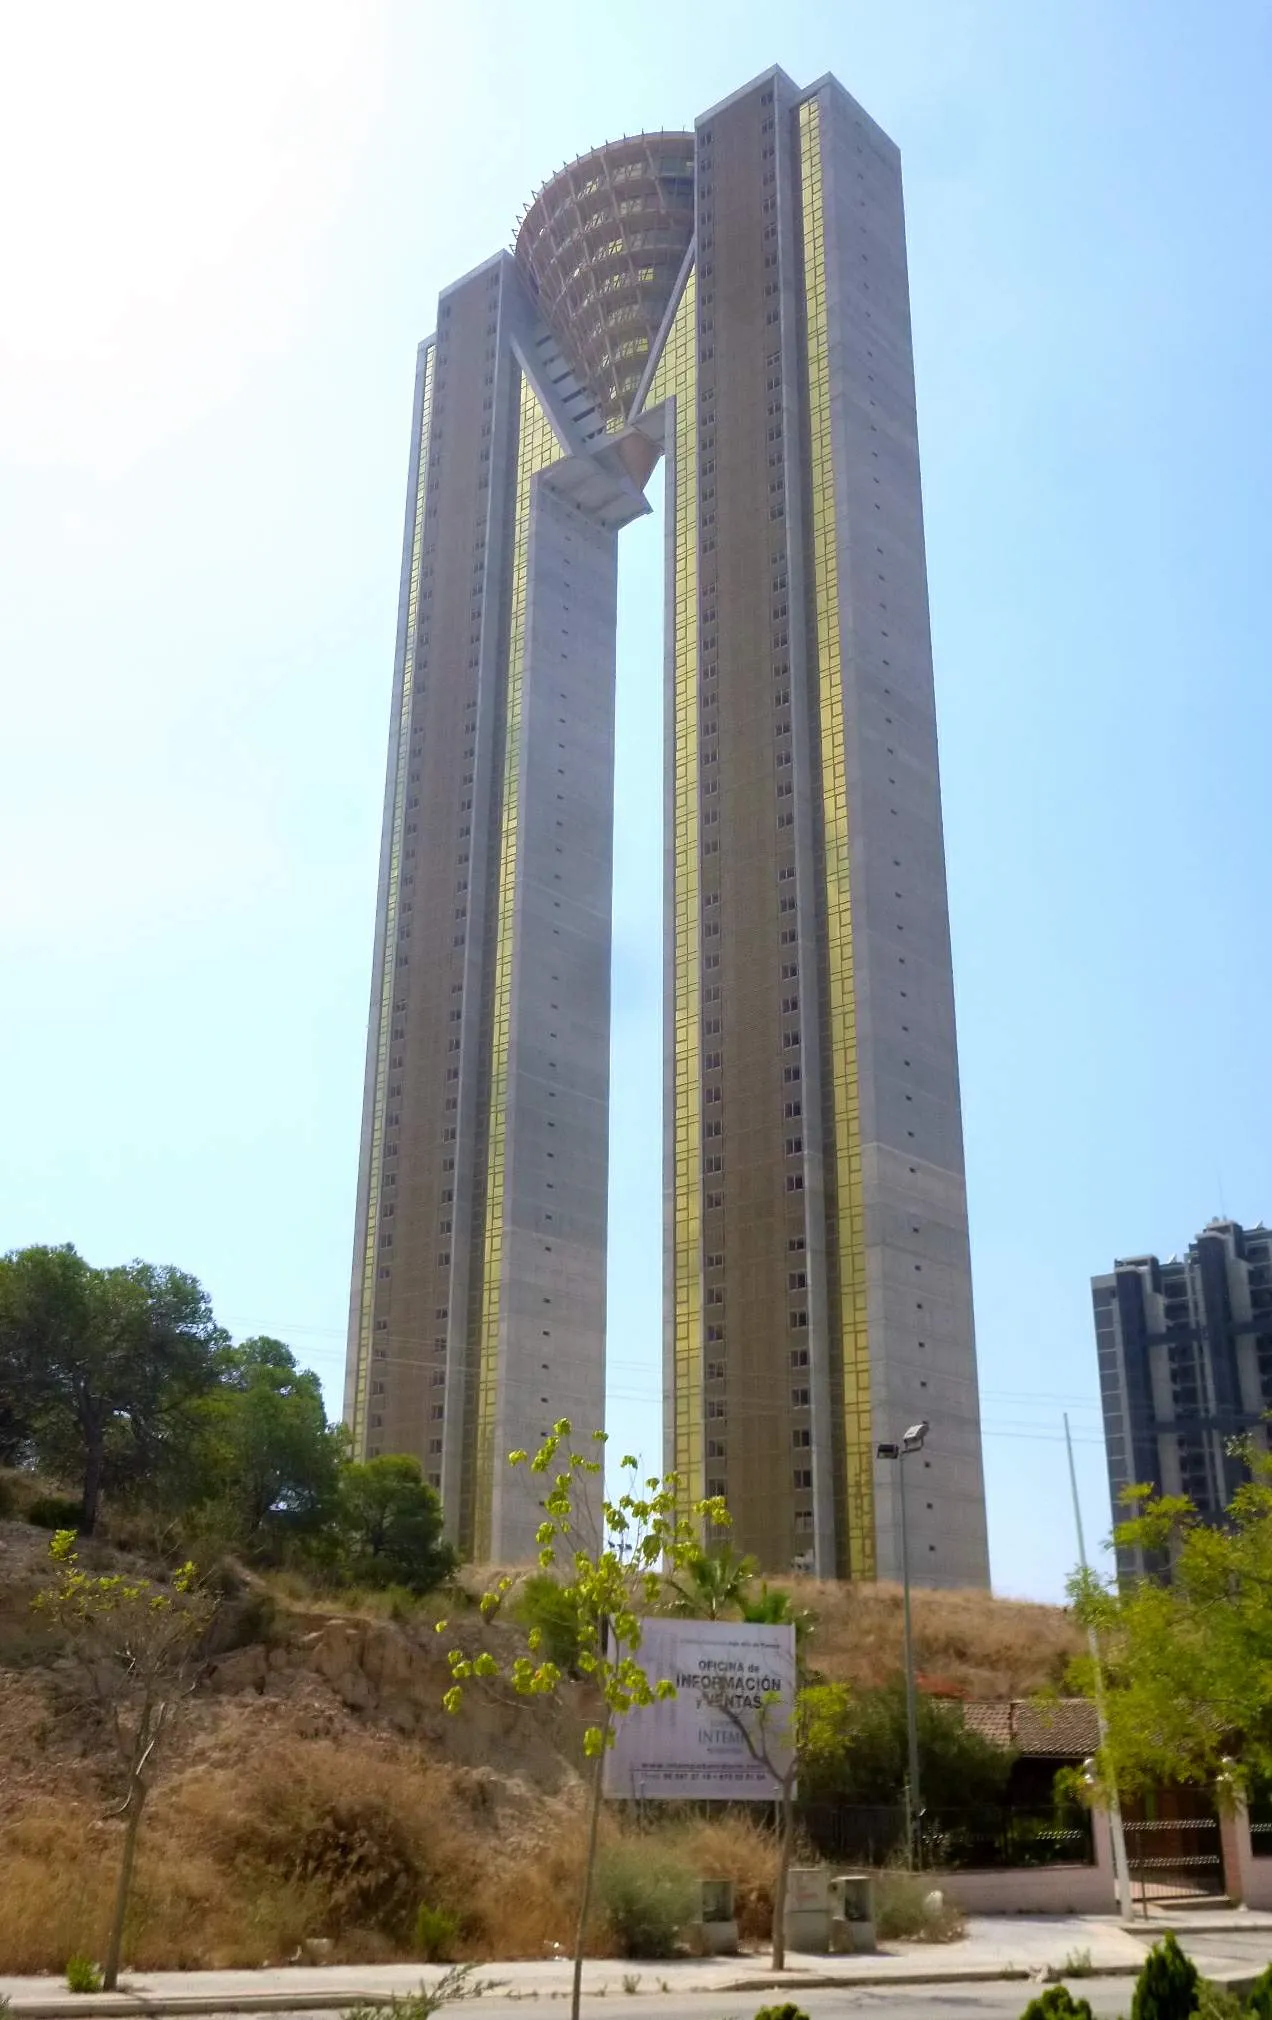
<point x="989" y="1838"/>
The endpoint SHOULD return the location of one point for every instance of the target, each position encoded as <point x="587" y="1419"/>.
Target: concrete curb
<point x="69" y="2006"/>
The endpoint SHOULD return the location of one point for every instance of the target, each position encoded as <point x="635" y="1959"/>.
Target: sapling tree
<point x="614" y="1557"/>
<point x="137" y="1646"/>
<point x="780" y="1733"/>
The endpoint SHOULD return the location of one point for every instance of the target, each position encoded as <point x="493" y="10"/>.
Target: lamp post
<point x="913" y="1441"/>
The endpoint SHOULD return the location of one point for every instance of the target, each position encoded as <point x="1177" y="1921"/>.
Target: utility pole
<point x="1121" y="1869"/>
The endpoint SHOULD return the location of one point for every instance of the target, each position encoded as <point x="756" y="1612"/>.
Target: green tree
<point x="137" y="1650"/>
<point x="103" y="1365"/>
<point x="269" y="1461"/>
<point x="390" y="1521"/>
<point x="857" y="1752"/>
<point x="1188" y="1663"/>
<point x="713" y="1584"/>
<point x="615" y="1554"/>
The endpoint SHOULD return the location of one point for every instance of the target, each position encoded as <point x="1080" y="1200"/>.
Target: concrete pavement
<point x="1021" y="1947"/>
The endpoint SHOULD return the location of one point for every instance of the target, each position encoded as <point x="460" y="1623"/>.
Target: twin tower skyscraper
<point x="733" y="300"/>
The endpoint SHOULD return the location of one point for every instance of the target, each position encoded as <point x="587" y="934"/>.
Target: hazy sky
<point x="223" y="230"/>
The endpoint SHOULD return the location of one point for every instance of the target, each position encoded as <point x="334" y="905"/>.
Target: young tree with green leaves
<point x="615" y="1555"/>
<point x="137" y="1646"/>
<point x="1187" y="1657"/>
<point x="780" y="1738"/>
<point x="102" y="1367"/>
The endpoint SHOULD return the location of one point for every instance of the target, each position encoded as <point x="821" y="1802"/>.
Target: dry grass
<point x="330" y="1797"/>
<point x="272" y="1833"/>
<point x="967" y="1642"/>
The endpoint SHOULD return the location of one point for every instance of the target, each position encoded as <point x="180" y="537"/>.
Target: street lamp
<point x="913" y="1441"/>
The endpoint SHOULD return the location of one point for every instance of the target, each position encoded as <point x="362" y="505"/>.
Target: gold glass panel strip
<point x="850" y="1220"/>
<point x="388" y="966"/>
<point x="537" y="446"/>
<point x="676" y="378"/>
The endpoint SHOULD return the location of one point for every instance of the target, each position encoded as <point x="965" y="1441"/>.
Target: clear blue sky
<point x="223" y="230"/>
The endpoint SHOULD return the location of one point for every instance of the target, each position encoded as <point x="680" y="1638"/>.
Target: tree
<point x="615" y="1579"/>
<point x="103" y="1364"/>
<point x="857" y="1753"/>
<point x="1187" y="1658"/>
<point x="267" y="1456"/>
<point x="780" y="1740"/>
<point x="712" y="1584"/>
<point x="137" y="1649"/>
<point x="391" y="1525"/>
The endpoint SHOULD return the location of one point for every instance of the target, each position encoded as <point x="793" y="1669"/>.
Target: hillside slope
<point x="316" y="1787"/>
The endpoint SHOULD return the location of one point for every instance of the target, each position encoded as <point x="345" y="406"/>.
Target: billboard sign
<point x="688" y="1748"/>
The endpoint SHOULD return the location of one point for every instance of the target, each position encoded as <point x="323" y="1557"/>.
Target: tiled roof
<point x="1064" y="1729"/>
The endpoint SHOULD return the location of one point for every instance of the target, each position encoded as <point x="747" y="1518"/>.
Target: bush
<point x="1057" y="2003"/>
<point x="1216" y="2002"/>
<point x="349" y="1851"/>
<point x="1258" y="1999"/>
<point x="436" y="1933"/>
<point x="790" y="2011"/>
<point x="82" y="1975"/>
<point x="648" y="1897"/>
<point x="908" y="1905"/>
<point x="54" y="1511"/>
<point x="1166" y="1988"/>
<point x="547" y="1606"/>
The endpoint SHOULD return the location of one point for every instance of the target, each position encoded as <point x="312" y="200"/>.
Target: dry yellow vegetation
<point x="317" y="1788"/>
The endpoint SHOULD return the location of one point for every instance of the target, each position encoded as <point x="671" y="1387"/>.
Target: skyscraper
<point x="734" y="300"/>
<point x="1185" y="1352"/>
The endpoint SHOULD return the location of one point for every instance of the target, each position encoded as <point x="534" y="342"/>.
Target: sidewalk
<point x="1015" y="1947"/>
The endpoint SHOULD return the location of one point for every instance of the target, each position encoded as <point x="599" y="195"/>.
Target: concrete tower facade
<point x="735" y="300"/>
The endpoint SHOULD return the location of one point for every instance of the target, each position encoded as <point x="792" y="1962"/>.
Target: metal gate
<point x="1175" y="1859"/>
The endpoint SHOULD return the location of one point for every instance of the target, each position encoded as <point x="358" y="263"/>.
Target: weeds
<point x="631" y="1981"/>
<point x="1077" y="1965"/>
<point x="458" y="1983"/>
<point x="82" y="1975"/>
<point x="436" y="1933"/>
<point x="907" y="1906"/>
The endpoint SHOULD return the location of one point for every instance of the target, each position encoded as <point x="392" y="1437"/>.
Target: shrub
<point x="543" y="1604"/>
<point x="1166" y="1988"/>
<point x="647" y="1896"/>
<point x="349" y="1850"/>
<point x="82" y="1975"/>
<point x="436" y="1933"/>
<point x="907" y="1905"/>
<point x="1216" y="2002"/>
<point x="1057" y="2003"/>
<point x="54" y="1511"/>
<point x="790" y="2011"/>
<point x="1258" y="1999"/>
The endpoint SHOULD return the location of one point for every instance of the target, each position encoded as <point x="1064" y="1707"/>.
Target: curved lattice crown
<point x="601" y="246"/>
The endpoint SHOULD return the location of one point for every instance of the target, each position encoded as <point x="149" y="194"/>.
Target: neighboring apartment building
<point x="734" y="300"/>
<point x="1185" y="1352"/>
